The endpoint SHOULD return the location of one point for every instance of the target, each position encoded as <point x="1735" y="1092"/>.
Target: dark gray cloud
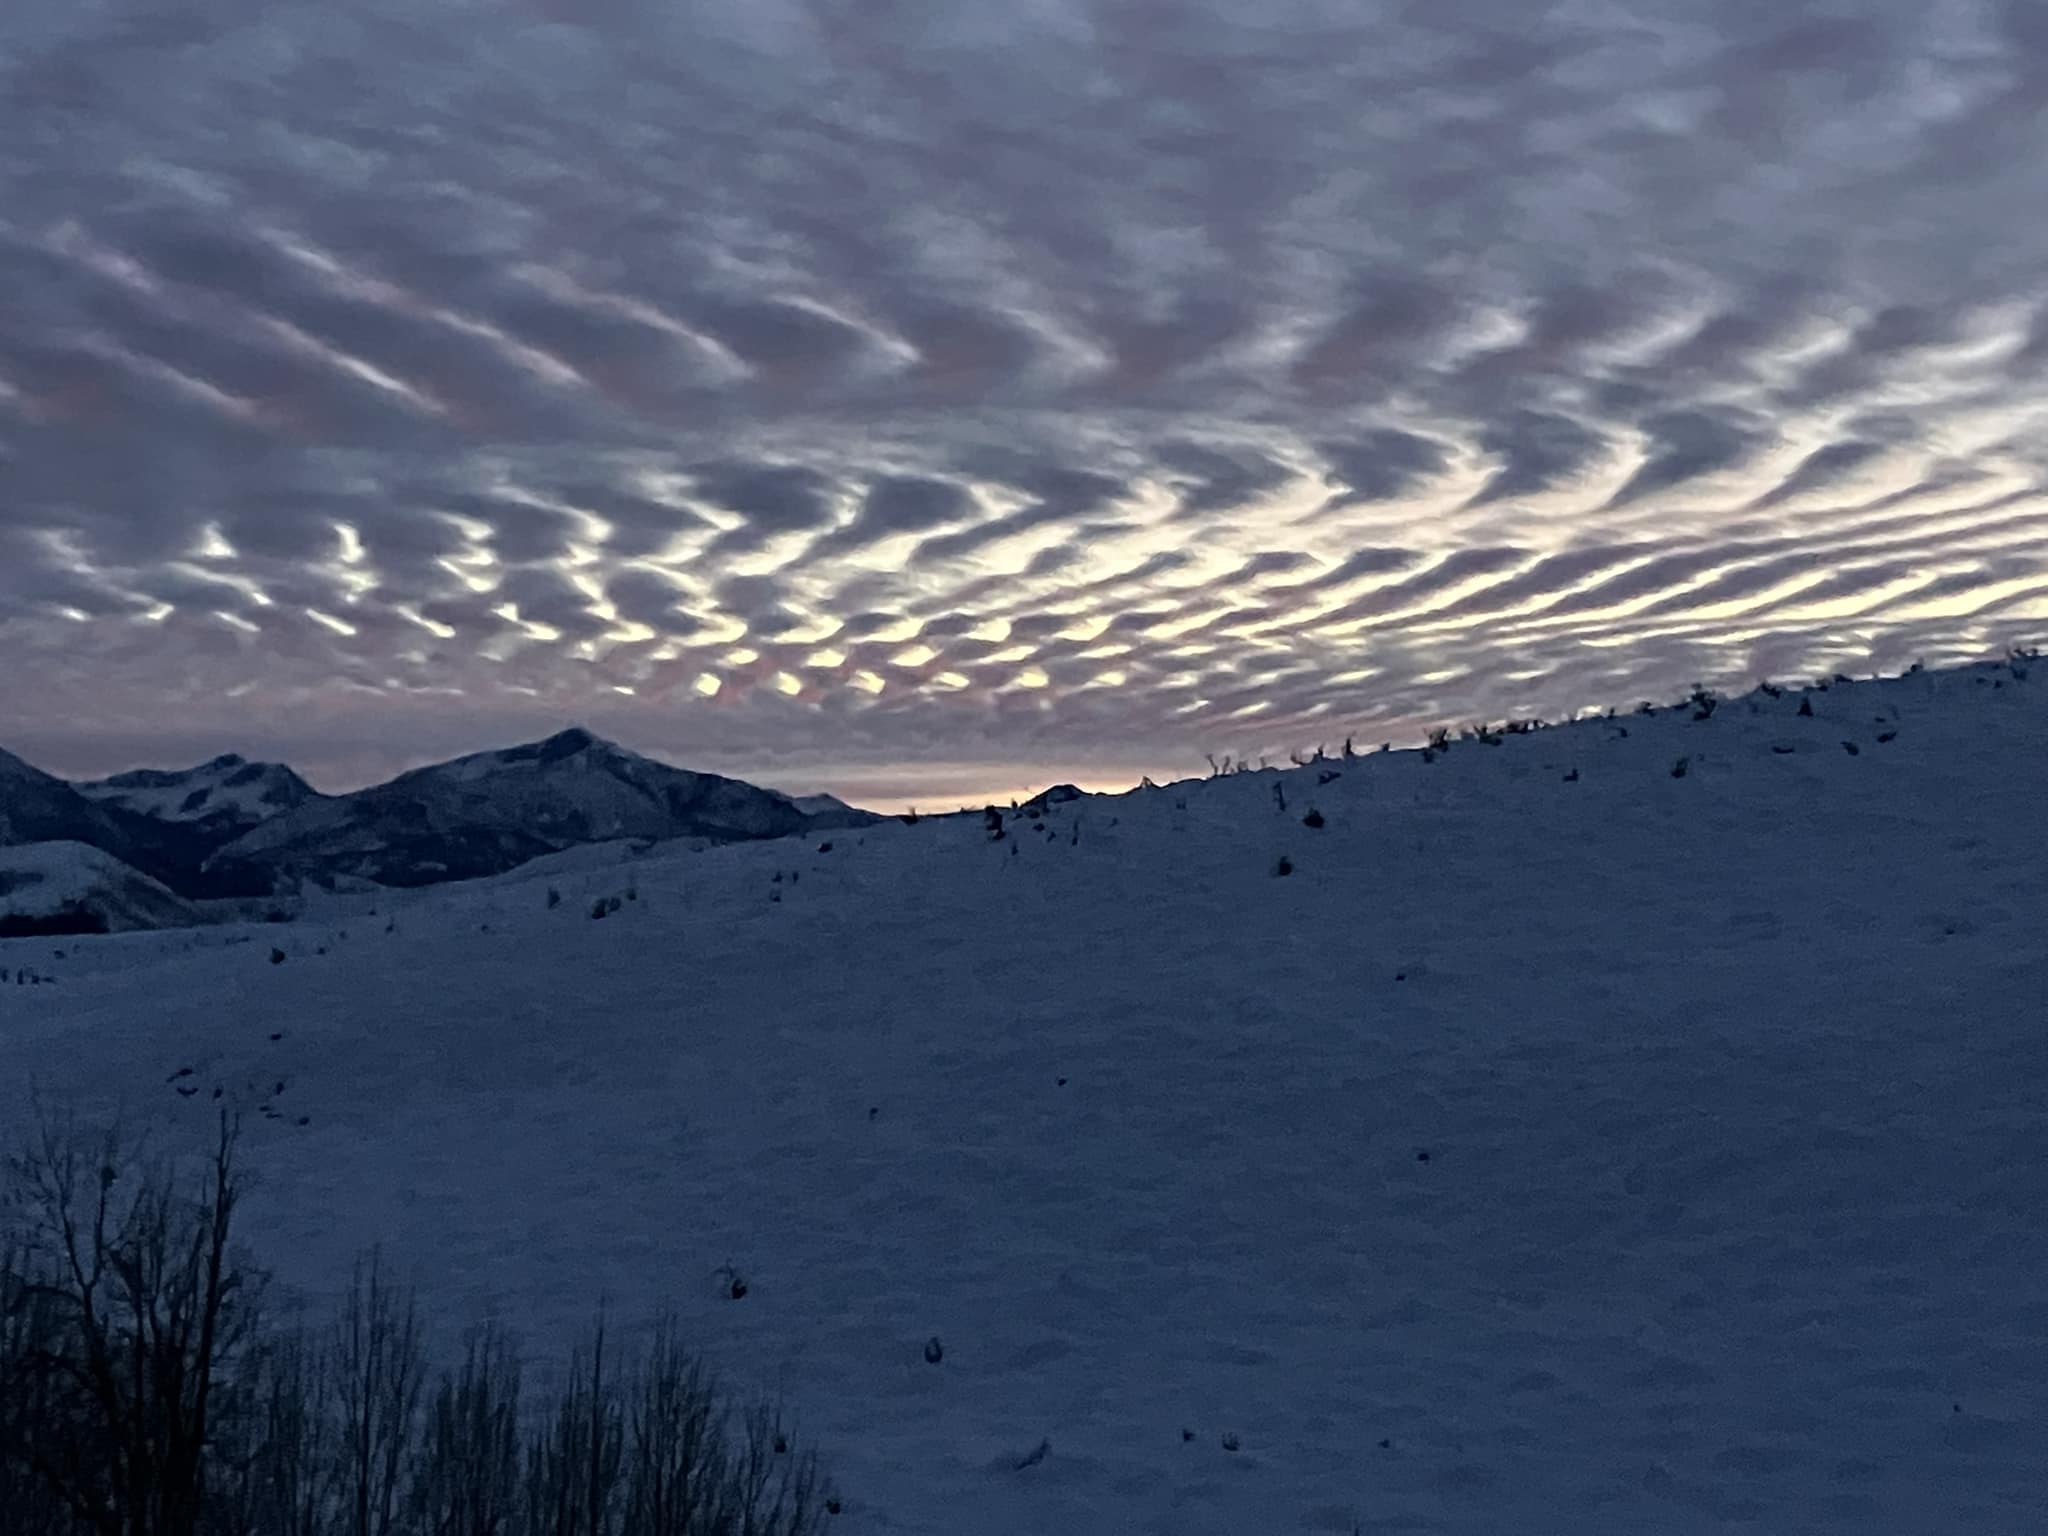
<point x="892" y="505"/>
<point x="978" y="393"/>
<point x="1380" y="465"/>
<point x="1537" y="451"/>
<point x="1684" y="445"/>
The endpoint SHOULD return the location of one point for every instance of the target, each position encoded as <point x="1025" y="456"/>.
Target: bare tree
<point x="467" y="1479"/>
<point x="378" y="1369"/>
<point x="135" y="1317"/>
<point x="140" y="1395"/>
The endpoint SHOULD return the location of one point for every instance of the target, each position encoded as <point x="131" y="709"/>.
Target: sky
<point x="938" y="400"/>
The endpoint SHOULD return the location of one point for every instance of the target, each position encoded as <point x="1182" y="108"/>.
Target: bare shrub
<point x="142" y="1394"/>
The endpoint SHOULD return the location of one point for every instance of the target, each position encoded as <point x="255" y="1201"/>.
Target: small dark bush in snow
<point x="554" y="898"/>
<point x="277" y="957"/>
<point x="1285" y="866"/>
<point x="598" y="908"/>
<point x="1314" y="818"/>
<point x="934" y="1351"/>
<point x="1679" y="768"/>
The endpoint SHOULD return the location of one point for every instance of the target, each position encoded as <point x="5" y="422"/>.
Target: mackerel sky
<point x="933" y="400"/>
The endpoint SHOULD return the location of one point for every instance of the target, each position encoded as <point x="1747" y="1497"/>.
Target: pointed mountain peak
<point x="576" y="741"/>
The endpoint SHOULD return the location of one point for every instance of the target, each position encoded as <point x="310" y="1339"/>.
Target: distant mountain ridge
<point x="490" y="811"/>
<point x="228" y="795"/>
<point x="235" y="828"/>
<point x="37" y="807"/>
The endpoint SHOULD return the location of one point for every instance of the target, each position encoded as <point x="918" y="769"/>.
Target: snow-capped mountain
<point x="490" y="811"/>
<point x="67" y="887"/>
<point x="235" y="828"/>
<point x="224" y="797"/>
<point x="37" y="807"/>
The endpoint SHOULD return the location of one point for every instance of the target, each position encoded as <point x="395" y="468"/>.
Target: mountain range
<point x="234" y="829"/>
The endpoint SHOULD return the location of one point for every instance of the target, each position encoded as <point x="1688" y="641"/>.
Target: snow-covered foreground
<point x="1732" y="1089"/>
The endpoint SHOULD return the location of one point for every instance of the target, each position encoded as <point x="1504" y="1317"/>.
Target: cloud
<point x="1685" y="445"/>
<point x="862" y="386"/>
<point x="1380" y="465"/>
<point x="1537" y="451"/>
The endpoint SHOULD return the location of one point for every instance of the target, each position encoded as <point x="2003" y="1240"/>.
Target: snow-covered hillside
<point x="229" y="793"/>
<point x="1629" y="1127"/>
<point x="73" y="885"/>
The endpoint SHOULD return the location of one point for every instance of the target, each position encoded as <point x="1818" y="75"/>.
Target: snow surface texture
<point x="1638" y="1152"/>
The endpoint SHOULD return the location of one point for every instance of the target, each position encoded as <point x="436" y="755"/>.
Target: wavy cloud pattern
<point x="921" y="400"/>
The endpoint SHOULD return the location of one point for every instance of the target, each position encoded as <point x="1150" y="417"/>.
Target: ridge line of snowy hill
<point x="230" y="828"/>
<point x="233" y="829"/>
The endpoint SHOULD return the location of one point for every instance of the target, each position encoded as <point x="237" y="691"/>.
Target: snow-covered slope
<point x="36" y="807"/>
<point x="227" y="795"/>
<point x="490" y="811"/>
<point x="55" y="887"/>
<point x="1568" y="1142"/>
<point x="39" y="807"/>
<point x="825" y="812"/>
